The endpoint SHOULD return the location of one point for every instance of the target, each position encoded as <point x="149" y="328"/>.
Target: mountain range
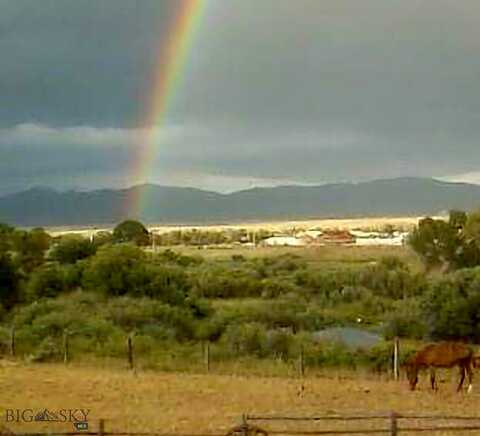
<point x="166" y="204"/>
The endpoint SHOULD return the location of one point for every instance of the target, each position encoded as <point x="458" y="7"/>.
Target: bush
<point x="116" y="270"/>
<point x="404" y="325"/>
<point x="330" y="354"/>
<point x="133" y="314"/>
<point x="246" y="339"/>
<point x="272" y="288"/>
<point x="222" y="283"/>
<point x="170" y="256"/>
<point x="70" y="249"/>
<point x="279" y="344"/>
<point x="9" y="282"/>
<point x="73" y="275"/>
<point x="391" y="278"/>
<point x="4" y="340"/>
<point x="451" y="308"/>
<point x="48" y="350"/>
<point x="47" y="281"/>
<point x="167" y="284"/>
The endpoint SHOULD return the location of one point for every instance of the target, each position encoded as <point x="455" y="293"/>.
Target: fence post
<point x="207" y="356"/>
<point x="244" y="425"/>
<point x="65" y="346"/>
<point x="393" y="424"/>
<point x="12" y="342"/>
<point x="302" y="361"/>
<point x="101" y="427"/>
<point x="130" y="351"/>
<point x="396" y="358"/>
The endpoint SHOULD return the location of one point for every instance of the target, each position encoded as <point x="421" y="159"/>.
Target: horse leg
<point x="462" y="378"/>
<point x="432" y="379"/>
<point x="470" y="377"/>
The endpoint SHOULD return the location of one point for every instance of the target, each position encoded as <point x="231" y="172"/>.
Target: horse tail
<point x="475" y="361"/>
<point x="472" y="360"/>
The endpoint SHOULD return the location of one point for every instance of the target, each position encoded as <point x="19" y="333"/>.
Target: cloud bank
<point x="272" y="92"/>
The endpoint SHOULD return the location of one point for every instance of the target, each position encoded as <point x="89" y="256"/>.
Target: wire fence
<point x="203" y="356"/>
<point x="391" y="423"/>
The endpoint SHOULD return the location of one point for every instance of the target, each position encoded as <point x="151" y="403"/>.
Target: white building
<point x="397" y="238"/>
<point x="282" y="241"/>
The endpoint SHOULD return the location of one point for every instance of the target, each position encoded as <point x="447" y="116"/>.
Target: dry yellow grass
<point x="210" y="403"/>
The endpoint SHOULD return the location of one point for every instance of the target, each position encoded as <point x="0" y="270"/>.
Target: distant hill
<point x="391" y="197"/>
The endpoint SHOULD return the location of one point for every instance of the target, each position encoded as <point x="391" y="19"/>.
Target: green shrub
<point x="47" y="281"/>
<point x="48" y="350"/>
<point x="279" y="344"/>
<point x="247" y="339"/>
<point x="9" y="282"/>
<point x="218" y="282"/>
<point x="405" y="320"/>
<point x="273" y="288"/>
<point x="451" y="307"/>
<point x="72" y="248"/>
<point x="329" y="354"/>
<point x="116" y="270"/>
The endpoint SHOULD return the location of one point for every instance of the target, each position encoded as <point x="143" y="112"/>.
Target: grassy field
<point x="348" y="254"/>
<point x="326" y="256"/>
<point x="151" y="401"/>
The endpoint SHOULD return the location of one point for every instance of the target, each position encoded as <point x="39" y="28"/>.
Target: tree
<point x="30" y="247"/>
<point x="131" y="231"/>
<point x="472" y="227"/>
<point x="116" y="270"/>
<point x="457" y="219"/>
<point x="442" y="243"/>
<point x="6" y="232"/>
<point x="71" y="249"/>
<point x="46" y="281"/>
<point x="9" y="282"/>
<point x="168" y="284"/>
<point x="123" y="269"/>
<point x="451" y="307"/>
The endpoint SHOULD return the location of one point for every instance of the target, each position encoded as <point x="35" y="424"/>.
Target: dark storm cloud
<point x="69" y="62"/>
<point x="304" y="90"/>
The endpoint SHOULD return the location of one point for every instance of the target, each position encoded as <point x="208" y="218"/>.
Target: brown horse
<point x="441" y="355"/>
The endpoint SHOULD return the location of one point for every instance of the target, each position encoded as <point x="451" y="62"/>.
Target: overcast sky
<point x="273" y="92"/>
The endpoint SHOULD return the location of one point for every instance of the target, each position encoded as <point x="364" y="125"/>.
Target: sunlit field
<point x="176" y="402"/>
<point x="378" y="223"/>
<point x="315" y="256"/>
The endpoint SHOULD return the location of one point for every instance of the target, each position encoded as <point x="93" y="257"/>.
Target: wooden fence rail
<point x="96" y="433"/>
<point x="393" y="419"/>
<point x="247" y="429"/>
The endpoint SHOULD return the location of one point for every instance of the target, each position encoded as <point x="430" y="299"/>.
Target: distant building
<point x="336" y="237"/>
<point x="282" y="241"/>
<point x="374" y="238"/>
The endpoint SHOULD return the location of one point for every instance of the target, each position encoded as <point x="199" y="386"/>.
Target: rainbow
<point x="169" y="71"/>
